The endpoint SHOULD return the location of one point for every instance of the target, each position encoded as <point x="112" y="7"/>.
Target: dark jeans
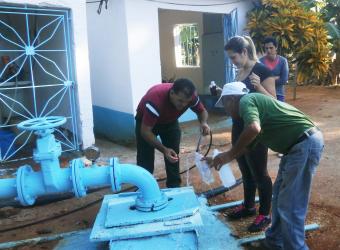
<point x="170" y="135"/>
<point x="253" y="166"/>
<point x="280" y="98"/>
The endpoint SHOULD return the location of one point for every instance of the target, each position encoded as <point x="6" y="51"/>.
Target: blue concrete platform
<point x="116" y="221"/>
<point x="212" y="235"/>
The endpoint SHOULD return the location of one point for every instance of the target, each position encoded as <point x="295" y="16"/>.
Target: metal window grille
<point x="36" y="77"/>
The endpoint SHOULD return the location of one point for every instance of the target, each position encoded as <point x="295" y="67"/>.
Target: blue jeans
<point x="291" y="192"/>
<point x="280" y="98"/>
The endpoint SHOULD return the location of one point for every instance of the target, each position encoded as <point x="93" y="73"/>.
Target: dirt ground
<point x="322" y="104"/>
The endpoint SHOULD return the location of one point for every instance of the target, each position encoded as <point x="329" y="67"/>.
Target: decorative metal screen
<point x="36" y="77"/>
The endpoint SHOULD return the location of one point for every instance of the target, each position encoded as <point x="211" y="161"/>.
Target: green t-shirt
<point x="281" y="124"/>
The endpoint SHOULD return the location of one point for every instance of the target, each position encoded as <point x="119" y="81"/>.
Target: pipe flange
<point x="114" y="174"/>
<point x="77" y="181"/>
<point x="149" y="206"/>
<point x="23" y="195"/>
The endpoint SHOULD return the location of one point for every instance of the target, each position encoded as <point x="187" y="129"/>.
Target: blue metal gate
<point x="36" y="77"/>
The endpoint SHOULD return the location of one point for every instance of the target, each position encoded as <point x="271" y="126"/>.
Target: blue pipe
<point x="11" y="244"/>
<point x="96" y="176"/>
<point x="247" y="240"/>
<point x="29" y="184"/>
<point x="229" y="205"/>
<point x="141" y="178"/>
<point x="151" y="198"/>
<point x="52" y="179"/>
<point x="7" y="188"/>
<point x="46" y="153"/>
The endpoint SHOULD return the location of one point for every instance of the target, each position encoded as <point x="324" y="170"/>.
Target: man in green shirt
<point x="286" y="130"/>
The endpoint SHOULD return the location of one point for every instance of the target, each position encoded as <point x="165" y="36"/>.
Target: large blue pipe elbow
<point x="151" y="198"/>
<point x="141" y="178"/>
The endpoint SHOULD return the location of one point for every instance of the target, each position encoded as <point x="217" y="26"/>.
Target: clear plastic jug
<point x="205" y="172"/>
<point x="226" y="175"/>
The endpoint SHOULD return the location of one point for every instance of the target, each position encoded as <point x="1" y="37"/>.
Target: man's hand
<point x="219" y="160"/>
<point x="255" y="80"/>
<point x="218" y="91"/>
<point x="205" y="129"/>
<point x="171" y="155"/>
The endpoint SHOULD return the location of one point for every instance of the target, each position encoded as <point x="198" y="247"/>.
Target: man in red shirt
<point x="157" y="114"/>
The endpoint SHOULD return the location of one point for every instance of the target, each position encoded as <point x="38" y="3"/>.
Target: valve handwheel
<point x="42" y="123"/>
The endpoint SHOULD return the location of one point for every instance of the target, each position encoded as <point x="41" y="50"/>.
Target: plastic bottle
<point x="225" y="173"/>
<point x="204" y="169"/>
<point x="213" y="88"/>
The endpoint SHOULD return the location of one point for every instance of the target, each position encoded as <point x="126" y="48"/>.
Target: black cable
<point x="199" y="144"/>
<point x="100" y="6"/>
<point x="210" y="143"/>
<point x="220" y="190"/>
<point x="199" y="5"/>
<point x="99" y="10"/>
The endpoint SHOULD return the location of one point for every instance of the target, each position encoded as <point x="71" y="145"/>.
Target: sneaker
<point x="241" y="212"/>
<point x="260" y="223"/>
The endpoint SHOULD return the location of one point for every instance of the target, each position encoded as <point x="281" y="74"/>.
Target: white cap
<point x="232" y="88"/>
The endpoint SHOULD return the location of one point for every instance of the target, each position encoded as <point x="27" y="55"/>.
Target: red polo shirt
<point x="156" y="108"/>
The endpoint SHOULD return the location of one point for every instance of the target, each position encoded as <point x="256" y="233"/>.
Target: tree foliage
<point x="301" y="34"/>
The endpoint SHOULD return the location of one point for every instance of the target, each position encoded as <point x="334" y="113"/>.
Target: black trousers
<point x="170" y="135"/>
<point x="253" y="166"/>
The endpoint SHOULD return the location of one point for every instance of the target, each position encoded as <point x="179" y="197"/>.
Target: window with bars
<point x="36" y="77"/>
<point x="187" y="45"/>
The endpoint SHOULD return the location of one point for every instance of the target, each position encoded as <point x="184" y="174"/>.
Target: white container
<point x="204" y="169"/>
<point x="212" y="84"/>
<point x="226" y="175"/>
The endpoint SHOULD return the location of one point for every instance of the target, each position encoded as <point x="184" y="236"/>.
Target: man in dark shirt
<point x="157" y="114"/>
<point x="278" y="65"/>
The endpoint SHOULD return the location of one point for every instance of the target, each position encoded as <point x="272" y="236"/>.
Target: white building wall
<point x="167" y="21"/>
<point x="125" y="56"/>
<point x="81" y="59"/>
<point x="109" y="57"/>
<point x="142" y="21"/>
<point x="110" y="71"/>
